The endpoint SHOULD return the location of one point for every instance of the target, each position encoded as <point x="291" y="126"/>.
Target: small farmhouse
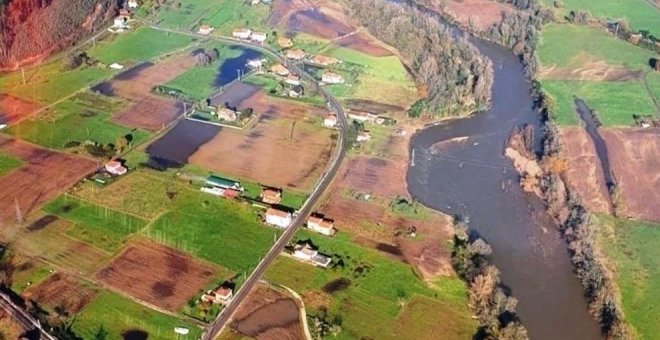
<point x="278" y="218"/>
<point x="242" y="33"/>
<point x="280" y="70"/>
<point x="255" y="2"/>
<point x="321" y="225"/>
<point x="363" y="136"/>
<point x="115" y="168"/>
<point x="330" y="121"/>
<point x="255" y="63"/>
<point x="216" y="181"/>
<point x="219" y="296"/>
<point x="306" y="253"/>
<point x="362" y="116"/>
<point x="324" y="60"/>
<point x="332" y="78"/>
<point x="296" y="54"/>
<point x="227" y="114"/>
<point x="205" y="29"/>
<point x="271" y="196"/>
<point x="120" y="22"/>
<point x="296" y="91"/>
<point x="284" y="42"/>
<point x="133" y="4"/>
<point x="292" y="79"/>
<point x="259" y="37"/>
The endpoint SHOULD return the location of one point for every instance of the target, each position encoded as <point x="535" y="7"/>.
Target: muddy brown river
<point x="472" y="178"/>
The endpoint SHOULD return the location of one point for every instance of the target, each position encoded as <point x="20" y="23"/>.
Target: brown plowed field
<point x="635" y="159"/>
<point x="324" y="19"/>
<point x="269" y="313"/>
<point x="13" y="110"/>
<point x="482" y="13"/>
<point x="60" y="290"/>
<point x="377" y="176"/>
<point x="148" y="111"/>
<point x="157" y="274"/>
<point x="44" y="175"/>
<point x="287" y="147"/>
<point x="585" y="174"/>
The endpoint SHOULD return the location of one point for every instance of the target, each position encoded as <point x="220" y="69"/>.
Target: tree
<point x="121" y="143"/>
<point x="101" y="334"/>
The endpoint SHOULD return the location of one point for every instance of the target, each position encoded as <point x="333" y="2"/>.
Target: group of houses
<point x="296" y="90"/>
<point x="297" y="54"/>
<point x="120" y="23"/>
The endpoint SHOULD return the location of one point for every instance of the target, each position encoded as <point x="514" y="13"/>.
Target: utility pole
<point x="23" y="74"/>
<point x="19" y="214"/>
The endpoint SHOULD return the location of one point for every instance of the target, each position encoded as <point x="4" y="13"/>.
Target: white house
<point x="226" y="114"/>
<point x="115" y="168"/>
<point x="305" y="252"/>
<point x="255" y="2"/>
<point x="362" y="116"/>
<point x="292" y="79"/>
<point x="220" y="296"/>
<point x="205" y="29"/>
<point x="296" y="91"/>
<point x="133" y="4"/>
<point x="278" y="218"/>
<point x="321" y="225"/>
<point x="280" y="70"/>
<point x="363" y="136"/>
<point x="330" y="121"/>
<point x="259" y="37"/>
<point x="242" y="33"/>
<point x="255" y="63"/>
<point x="120" y="22"/>
<point x="332" y="78"/>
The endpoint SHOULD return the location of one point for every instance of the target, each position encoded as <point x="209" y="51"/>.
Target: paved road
<point x="28" y="322"/>
<point x="214" y="329"/>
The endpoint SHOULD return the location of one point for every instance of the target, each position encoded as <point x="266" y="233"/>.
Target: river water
<point x="473" y="178"/>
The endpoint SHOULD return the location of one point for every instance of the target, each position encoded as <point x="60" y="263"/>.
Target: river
<point x="473" y="178"/>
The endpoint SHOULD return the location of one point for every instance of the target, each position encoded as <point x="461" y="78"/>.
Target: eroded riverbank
<point x="472" y="178"/>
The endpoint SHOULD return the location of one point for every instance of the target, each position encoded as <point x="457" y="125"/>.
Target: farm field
<point x="123" y="318"/>
<point x="634" y="155"/>
<point x="607" y="73"/>
<point x="27" y="272"/>
<point x="224" y="15"/>
<point x="268" y="313"/>
<point x="135" y="47"/>
<point x="45" y="175"/>
<point x="373" y="296"/>
<point x="219" y="231"/>
<point x="63" y="292"/>
<point x="97" y="225"/>
<point x="633" y="249"/>
<point x="8" y="163"/>
<point x="286" y="131"/>
<point x="201" y="82"/>
<point x="159" y="275"/>
<point x="15" y="109"/>
<point x="84" y="117"/>
<point x="640" y="14"/>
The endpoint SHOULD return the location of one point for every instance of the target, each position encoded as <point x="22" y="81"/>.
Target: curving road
<point x="214" y="328"/>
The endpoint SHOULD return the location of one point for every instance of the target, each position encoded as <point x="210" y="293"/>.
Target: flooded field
<point x="228" y="71"/>
<point x="182" y="141"/>
<point x="235" y="96"/>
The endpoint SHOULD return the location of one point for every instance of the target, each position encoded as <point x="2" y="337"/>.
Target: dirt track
<point x="585" y="174"/>
<point x="157" y="274"/>
<point x="286" y="148"/>
<point x="44" y="175"/>
<point x="269" y="313"/>
<point x="635" y="158"/>
<point x="60" y="290"/>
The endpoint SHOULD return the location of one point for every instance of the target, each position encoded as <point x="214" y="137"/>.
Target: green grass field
<point x="615" y="102"/>
<point x="116" y="315"/>
<point x="634" y="248"/>
<point x="385" y="300"/>
<point x="84" y="117"/>
<point x="102" y="227"/>
<point x="224" y="15"/>
<point x="48" y="83"/>
<point x="28" y="273"/>
<point x="214" y="229"/>
<point x="142" y="45"/>
<point x="641" y="14"/>
<point x="8" y="163"/>
<point x="202" y="82"/>
<point x="575" y="48"/>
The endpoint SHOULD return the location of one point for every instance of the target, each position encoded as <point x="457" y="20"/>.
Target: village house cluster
<point x="249" y="34"/>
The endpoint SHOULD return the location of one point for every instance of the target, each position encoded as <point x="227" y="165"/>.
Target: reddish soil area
<point x="13" y="110"/>
<point x="585" y="174"/>
<point x="482" y="13"/>
<point x="324" y="19"/>
<point x="371" y="106"/>
<point x="60" y="290"/>
<point x="269" y="313"/>
<point x="635" y="158"/>
<point x="287" y="147"/>
<point x="377" y="176"/>
<point x="148" y="111"/>
<point x="157" y="274"/>
<point x="44" y="175"/>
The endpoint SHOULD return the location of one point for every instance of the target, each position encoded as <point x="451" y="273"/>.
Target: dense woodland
<point x="36" y="28"/>
<point x="455" y="76"/>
